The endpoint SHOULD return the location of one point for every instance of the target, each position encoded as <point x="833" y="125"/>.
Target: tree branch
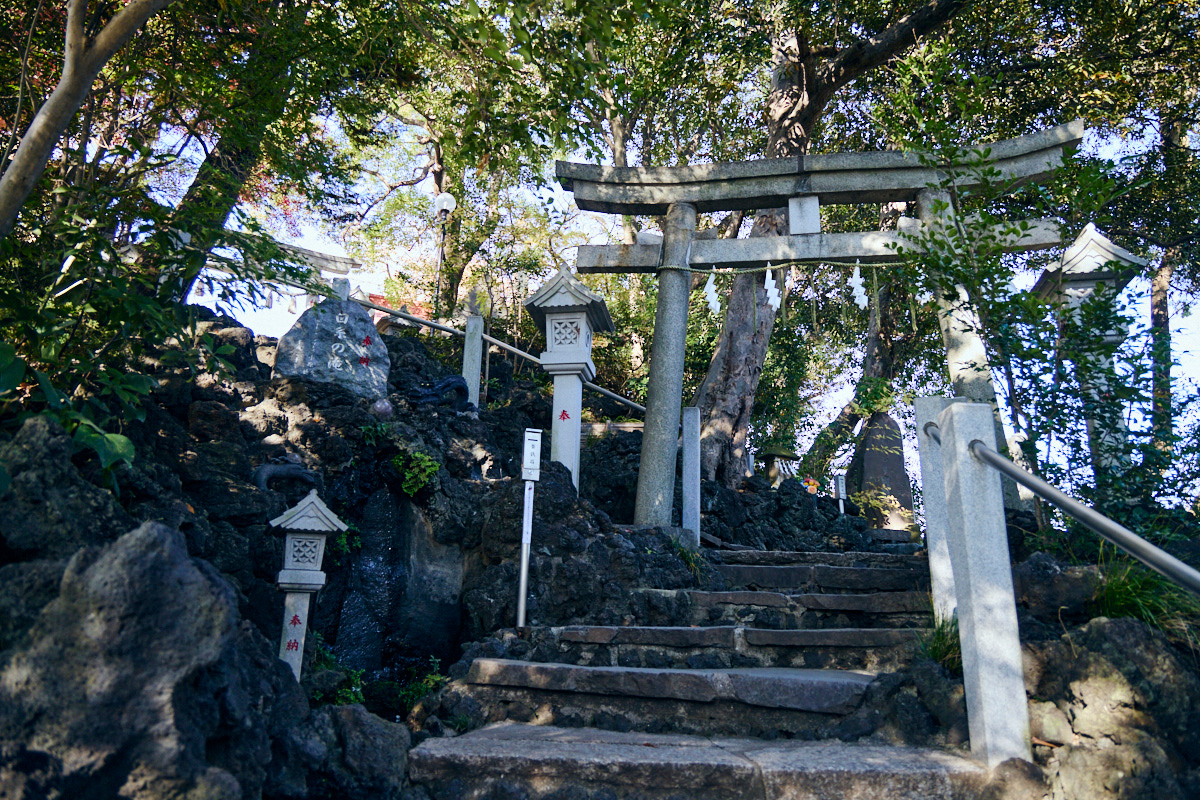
<point x="866" y="54"/>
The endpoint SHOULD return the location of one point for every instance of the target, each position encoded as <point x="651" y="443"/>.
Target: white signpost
<point x="839" y="491"/>
<point x="530" y="472"/>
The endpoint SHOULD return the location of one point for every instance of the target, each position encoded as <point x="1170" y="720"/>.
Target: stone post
<point x="993" y="680"/>
<point x="941" y="574"/>
<point x="568" y="407"/>
<point x="307" y="524"/>
<point x="473" y="357"/>
<point x="691" y="472"/>
<point x="664" y="392"/>
<point x="568" y="313"/>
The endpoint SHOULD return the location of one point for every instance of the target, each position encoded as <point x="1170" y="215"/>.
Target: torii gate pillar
<point x="664" y="393"/>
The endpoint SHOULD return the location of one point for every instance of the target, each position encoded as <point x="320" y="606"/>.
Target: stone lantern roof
<point x="564" y="294"/>
<point x="310" y="514"/>
<point x="1089" y="261"/>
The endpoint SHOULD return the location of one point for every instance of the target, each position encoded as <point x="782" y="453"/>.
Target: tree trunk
<point x="1175" y="152"/>
<point x="83" y="59"/>
<point x="726" y="396"/>
<point x="1161" y="417"/>
<point x="218" y="185"/>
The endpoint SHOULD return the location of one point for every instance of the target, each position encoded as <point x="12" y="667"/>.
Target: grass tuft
<point x="1130" y="590"/>
<point x="942" y="644"/>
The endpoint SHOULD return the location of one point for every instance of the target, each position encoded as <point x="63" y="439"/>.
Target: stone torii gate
<point x="803" y="184"/>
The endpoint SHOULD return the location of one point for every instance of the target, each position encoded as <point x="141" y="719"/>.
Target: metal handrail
<point x="1152" y="556"/>
<point x="498" y="343"/>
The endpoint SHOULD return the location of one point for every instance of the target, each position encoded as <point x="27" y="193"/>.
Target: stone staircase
<point x="756" y="691"/>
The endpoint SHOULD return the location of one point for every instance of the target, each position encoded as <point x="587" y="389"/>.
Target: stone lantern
<point x="568" y="313"/>
<point x="1093" y="264"/>
<point x="307" y="524"/>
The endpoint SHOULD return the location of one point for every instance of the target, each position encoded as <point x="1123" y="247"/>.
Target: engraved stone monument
<point x="335" y="341"/>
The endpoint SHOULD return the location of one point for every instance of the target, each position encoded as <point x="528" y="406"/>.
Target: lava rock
<point x="139" y="681"/>
<point x="49" y="510"/>
<point x="1054" y="592"/>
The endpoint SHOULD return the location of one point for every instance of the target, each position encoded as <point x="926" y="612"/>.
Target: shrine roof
<point x="564" y="292"/>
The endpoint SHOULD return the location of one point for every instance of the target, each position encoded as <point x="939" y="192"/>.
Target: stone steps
<point x="527" y="762"/>
<point x="757" y="702"/>
<point x="799" y="557"/>
<point x="823" y="577"/>
<point x="790" y="651"/>
<point x="723" y="647"/>
<point x="761" y="609"/>
<point x="815" y="690"/>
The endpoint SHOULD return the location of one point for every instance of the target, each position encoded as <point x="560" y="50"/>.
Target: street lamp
<point x="443" y="204"/>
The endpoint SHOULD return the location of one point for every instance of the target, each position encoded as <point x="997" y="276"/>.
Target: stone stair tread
<point x="816" y="690"/>
<point x="652" y="766"/>
<point x="879" y="602"/>
<point x="809" y="557"/>
<point x="823" y="575"/>
<point x="663" y="636"/>
<point x="725" y="636"/>
<point x="831" y="637"/>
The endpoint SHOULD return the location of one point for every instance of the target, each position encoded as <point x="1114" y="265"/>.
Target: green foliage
<point x="416" y="470"/>
<point x="459" y="723"/>
<point x="376" y="433"/>
<point x="395" y="699"/>
<point x="346" y="542"/>
<point x="421" y="683"/>
<point x="349" y="691"/>
<point x="941" y="644"/>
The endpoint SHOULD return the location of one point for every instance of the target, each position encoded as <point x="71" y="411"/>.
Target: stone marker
<point x="335" y="342"/>
<point x="877" y="471"/>
<point x="993" y="678"/>
<point x="307" y="525"/>
<point x="941" y="573"/>
<point x="691" y="472"/>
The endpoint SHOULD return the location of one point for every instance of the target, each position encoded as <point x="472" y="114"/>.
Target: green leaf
<point x="54" y="398"/>
<point x="110" y="447"/>
<point x="12" y="368"/>
<point x="5" y="480"/>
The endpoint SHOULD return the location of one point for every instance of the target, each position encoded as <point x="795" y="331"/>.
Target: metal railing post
<point x="993" y="679"/>
<point x="933" y="483"/>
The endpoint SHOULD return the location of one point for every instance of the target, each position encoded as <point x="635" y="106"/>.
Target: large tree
<point x="90" y="40"/>
<point x="810" y="65"/>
